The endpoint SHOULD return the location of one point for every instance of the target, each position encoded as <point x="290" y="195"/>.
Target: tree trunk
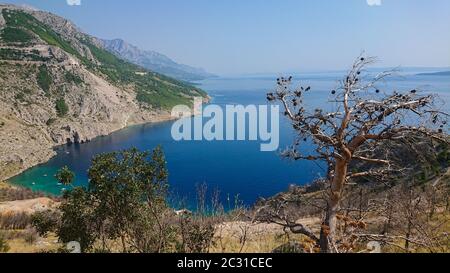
<point x="328" y="231"/>
<point x="408" y="235"/>
<point x="124" y="245"/>
<point x="388" y="223"/>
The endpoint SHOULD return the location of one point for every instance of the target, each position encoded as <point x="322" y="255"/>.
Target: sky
<point x="267" y="36"/>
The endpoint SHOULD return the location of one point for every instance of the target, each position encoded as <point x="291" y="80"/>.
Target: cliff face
<point x="58" y="85"/>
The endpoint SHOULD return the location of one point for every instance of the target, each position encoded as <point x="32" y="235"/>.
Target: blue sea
<point x="237" y="168"/>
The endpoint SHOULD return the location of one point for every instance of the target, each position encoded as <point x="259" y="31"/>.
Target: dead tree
<point x="365" y="116"/>
<point x="410" y="228"/>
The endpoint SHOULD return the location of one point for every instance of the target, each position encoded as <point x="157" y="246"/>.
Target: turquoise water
<point x="233" y="168"/>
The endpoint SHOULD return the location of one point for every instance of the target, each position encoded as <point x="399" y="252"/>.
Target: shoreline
<point x="163" y="118"/>
<point x="51" y="154"/>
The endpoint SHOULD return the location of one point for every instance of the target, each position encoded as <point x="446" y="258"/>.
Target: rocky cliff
<point x="59" y="85"/>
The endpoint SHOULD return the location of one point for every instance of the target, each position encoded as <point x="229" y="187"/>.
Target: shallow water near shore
<point x="236" y="168"/>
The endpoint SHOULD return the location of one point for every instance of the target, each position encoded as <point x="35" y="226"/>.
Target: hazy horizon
<point x="251" y="37"/>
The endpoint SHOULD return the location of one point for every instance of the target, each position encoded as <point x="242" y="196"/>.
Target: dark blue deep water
<point x="233" y="168"/>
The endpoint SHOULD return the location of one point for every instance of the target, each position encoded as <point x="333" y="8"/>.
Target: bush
<point x="31" y="236"/>
<point x="50" y="121"/>
<point x="44" y="79"/>
<point x="45" y="222"/>
<point x="72" y="78"/>
<point x="197" y="234"/>
<point x="61" y="107"/>
<point x="125" y="201"/>
<point x="77" y="219"/>
<point x="19" y="97"/>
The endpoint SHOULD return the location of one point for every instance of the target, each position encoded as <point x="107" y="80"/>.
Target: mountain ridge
<point x="154" y="61"/>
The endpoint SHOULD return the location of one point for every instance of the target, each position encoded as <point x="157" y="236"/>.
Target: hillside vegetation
<point x="408" y="215"/>
<point x="59" y="85"/>
<point x="157" y="90"/>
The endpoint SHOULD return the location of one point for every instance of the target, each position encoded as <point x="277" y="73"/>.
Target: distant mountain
<point x="154" y="61"/>
<point x="443" y="73"/>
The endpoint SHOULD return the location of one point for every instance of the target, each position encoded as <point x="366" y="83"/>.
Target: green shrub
<point x="19" y="97"/>
<point x="44" y="79"/>
<point x="50" y="121"/>
<point x="72" y="78"/>
<point x="45" y="222"/>
<point x="61" y="107"/>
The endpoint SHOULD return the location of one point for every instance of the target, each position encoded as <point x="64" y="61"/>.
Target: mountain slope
<point x="154" y="61"/>
<point x="58" y="85"/>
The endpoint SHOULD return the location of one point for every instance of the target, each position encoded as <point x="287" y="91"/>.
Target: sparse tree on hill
<point x="364" y="118"/>
<point x="127" y="184"/>
<point x="125" y="201"/>
<point x="65" y="176"/>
